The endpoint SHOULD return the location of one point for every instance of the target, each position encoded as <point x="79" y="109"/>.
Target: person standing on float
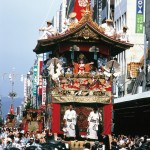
<point x="70" y="119"/>
<point x="94" y="119"/>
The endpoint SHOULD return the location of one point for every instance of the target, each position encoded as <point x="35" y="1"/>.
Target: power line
<point x="49" y="10"/>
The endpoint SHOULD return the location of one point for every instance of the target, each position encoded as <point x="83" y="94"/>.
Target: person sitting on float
<point x="72" y="18"/>
<point x="81" y="67"/>
<point x="123" y="34"/>
<point x="48" y="31"/>
<point x="70" y="22"/>
<point x="108" y="28"/>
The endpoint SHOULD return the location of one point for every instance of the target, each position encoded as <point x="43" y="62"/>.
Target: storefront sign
<point x="34" y="79"/>
<point x="139" y="16"/>
<point x="44" y="92"/>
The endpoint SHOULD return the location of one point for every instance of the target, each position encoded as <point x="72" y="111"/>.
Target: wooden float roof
<point x="85" y="31"/>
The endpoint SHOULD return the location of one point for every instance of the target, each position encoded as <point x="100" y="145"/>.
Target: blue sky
<point x="20" y="21"/>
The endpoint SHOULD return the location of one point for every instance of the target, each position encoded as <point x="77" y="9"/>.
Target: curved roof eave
<point x="42" y="44"/>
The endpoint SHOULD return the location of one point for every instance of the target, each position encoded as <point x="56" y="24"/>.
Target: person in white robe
<point x="108" y="28"/>
<point x="93" y="121"/>
<point x="123" y="35"/>
<point x="70" y="118"/>
<point x="72" y="20"/>
<point x="48" y="31"/>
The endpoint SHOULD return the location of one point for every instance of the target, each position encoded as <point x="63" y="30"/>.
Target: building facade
<point x="134" y="106"/>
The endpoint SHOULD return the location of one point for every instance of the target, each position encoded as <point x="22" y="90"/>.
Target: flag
<point x="79" y="6"/>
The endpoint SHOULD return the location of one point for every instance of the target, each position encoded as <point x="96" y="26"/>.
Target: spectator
<point x="87" y="146"/>
<point x="1" y="147"/>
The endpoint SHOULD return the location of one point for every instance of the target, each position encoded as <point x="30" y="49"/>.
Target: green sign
<point x="34" y="80"/>
<point x="139" y="15"/>
<point x="139" y="23"/>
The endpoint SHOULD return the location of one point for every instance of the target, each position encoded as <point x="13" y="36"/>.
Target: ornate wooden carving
<point x="33" y="126"/>
<point x="87" y="33"/>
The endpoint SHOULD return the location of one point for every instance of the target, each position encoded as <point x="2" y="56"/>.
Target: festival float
<point x="78" y="73"/>
<point x="11" y="118"/>
<point x="32" y="120"/>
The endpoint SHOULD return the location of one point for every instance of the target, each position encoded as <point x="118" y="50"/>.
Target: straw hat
<point x="72" y="14"/>
<point x="49" y="22"/>
<point x="109" y="20"/>
<point x="125" y="27"/>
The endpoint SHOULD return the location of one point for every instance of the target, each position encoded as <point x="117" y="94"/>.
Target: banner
<point x="34" y="80"/>
<point x="40" y="78"/>
<point x="79" y="6"/>
<point x="25" y="87"/>
<point x="139" y="16"/>
<point x="44" y="92"/>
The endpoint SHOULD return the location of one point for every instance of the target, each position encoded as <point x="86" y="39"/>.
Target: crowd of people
<point x="18" y="139"/>
<point x="13" y="138"/>
<point x="122" y="142"/>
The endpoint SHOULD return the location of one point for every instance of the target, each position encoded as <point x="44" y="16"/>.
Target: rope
<point x="49" y="10"/>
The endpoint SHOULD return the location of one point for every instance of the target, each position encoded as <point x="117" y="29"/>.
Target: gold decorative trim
<point x="87" y="33"/>
<point x="82" y="99"/>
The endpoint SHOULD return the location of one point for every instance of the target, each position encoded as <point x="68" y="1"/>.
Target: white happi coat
<point x="109" y="30"/>
<point x="93" y="120"/>
<point x="70" y="117"/>
<point x="123" y="36"/>
<point x="48" y="32"/>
